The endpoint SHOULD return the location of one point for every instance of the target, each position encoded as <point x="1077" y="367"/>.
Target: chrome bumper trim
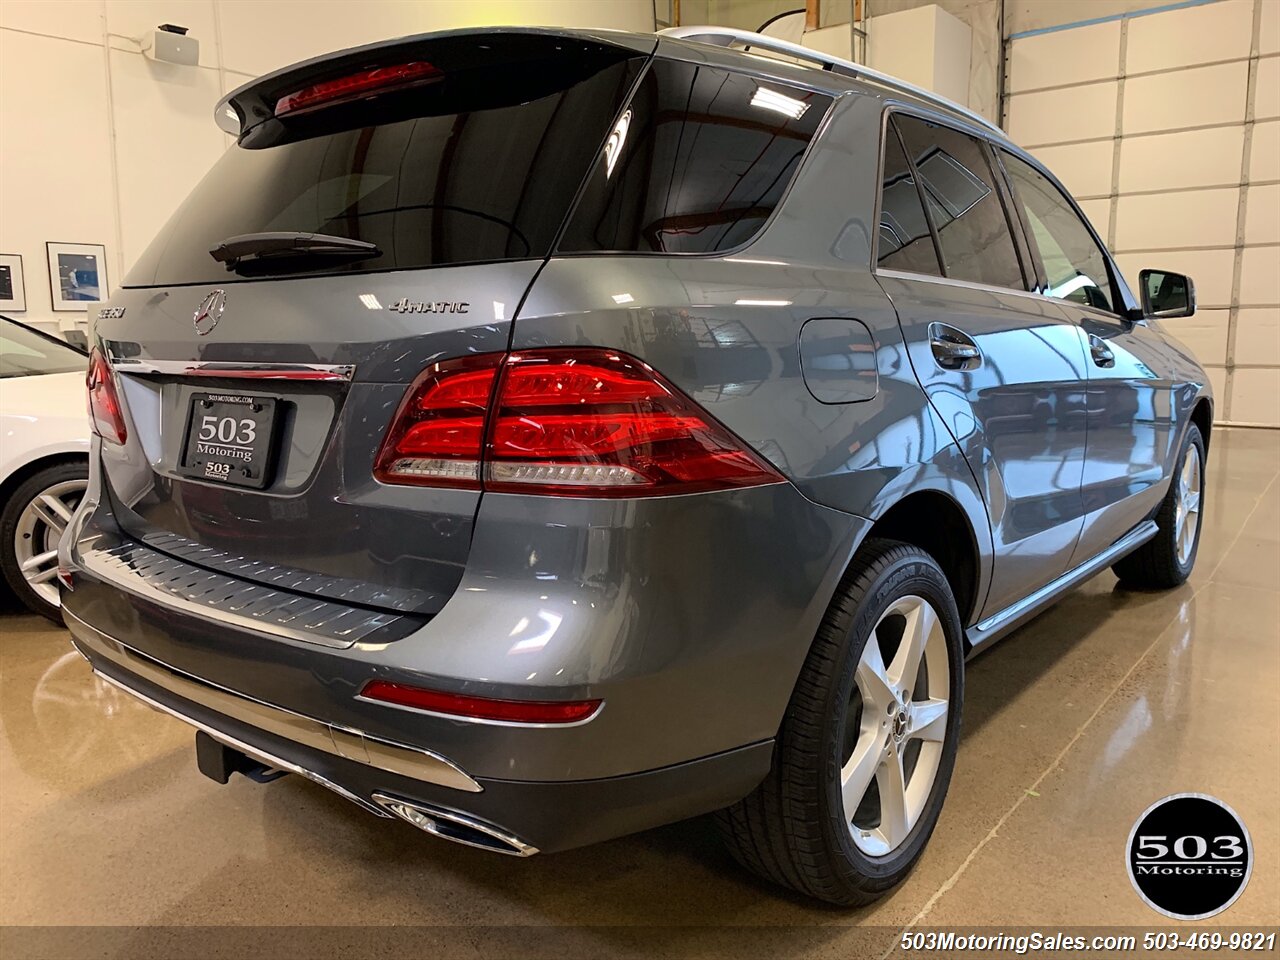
<point x="457" y="827"/>
<point x="346" y="742"/>
<point x="261" y="756"/>
<point x="210" y="595"/>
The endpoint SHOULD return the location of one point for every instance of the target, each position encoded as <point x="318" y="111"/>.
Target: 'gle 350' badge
<point x="429" y="306"/>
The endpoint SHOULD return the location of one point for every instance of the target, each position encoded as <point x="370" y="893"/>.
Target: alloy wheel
<point x="1186" y="521"/>
<point x="36" y="536"/>
<point x="896" y="726"/>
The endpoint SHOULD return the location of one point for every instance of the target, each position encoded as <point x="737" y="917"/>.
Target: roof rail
<point x="727" y="36"/>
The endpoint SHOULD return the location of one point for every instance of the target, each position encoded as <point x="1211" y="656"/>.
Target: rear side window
<point x="959" y="188"/>
<point x="481" y="166"/>
<point x="904" y="242"/>
<point x="1074" y="264"/>
<point x="696" y="164"/>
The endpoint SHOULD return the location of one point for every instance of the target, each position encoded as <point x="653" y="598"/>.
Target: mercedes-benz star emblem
<point x="209" y="312"/>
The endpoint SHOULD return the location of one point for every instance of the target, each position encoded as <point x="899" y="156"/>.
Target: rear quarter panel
<point x="725" y="329"/>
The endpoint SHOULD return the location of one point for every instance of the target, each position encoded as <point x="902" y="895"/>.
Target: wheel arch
<point x="1202" y="417"/>
<point x="32" y="467"/>
<point x="936" y="523"/>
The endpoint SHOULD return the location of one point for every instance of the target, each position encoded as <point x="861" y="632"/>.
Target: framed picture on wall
<point x="13" y="288"/>
<point x="77" y="274"/>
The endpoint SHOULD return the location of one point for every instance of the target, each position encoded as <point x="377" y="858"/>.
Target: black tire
<point x="792" y="829"/>
<point x="1155" y="564"/>
<point x="10" y="515"/>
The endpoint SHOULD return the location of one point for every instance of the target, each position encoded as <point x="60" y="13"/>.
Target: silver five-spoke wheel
<point x="38" y="530"/>
<point x="1186" y="522"/>
<point x="897" y="725"/>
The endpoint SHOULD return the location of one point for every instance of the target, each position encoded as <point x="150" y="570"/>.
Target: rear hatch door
<point x="259" y="380"/>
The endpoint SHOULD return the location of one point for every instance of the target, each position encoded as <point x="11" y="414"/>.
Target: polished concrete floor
<point x="1072" y="727"/>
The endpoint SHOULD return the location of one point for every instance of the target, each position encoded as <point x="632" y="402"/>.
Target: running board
<point x="981" y="635"/>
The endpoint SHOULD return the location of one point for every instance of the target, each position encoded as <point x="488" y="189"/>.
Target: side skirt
<point x="982" y="635"/>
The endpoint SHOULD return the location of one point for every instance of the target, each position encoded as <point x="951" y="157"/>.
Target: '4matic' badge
<point x="429" y="306"/>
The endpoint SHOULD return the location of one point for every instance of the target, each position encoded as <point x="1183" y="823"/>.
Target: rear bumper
<point x="535" y="816"/>
<point x="689" y="617"/>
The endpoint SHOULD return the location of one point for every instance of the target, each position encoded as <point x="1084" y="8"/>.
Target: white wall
<point x="982" y="17"/>
<point x="99" y="144"/>
<point x="1166" y="126"/>
<point x="923" y="45"/>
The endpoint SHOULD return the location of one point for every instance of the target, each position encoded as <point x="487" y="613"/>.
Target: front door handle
<point x="1100" y="352"/>
<point x="953" y="349"/>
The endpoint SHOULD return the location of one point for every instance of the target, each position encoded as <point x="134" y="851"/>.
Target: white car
<point x="44" y="457"/>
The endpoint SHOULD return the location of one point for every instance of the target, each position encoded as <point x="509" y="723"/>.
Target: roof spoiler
<point x="249" y="106"/>
<point x="727" y="37"/>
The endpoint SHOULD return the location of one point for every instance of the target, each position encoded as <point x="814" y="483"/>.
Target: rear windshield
<point x="480" y="166"/>
<point x="697" y="163"/>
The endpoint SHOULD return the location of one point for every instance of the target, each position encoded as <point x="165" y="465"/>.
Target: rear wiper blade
<point x="286" y="244"/>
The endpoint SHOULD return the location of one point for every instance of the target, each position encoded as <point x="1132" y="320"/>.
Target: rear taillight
<point x="356" y="86"/>
<point x="437" y="436"/>
<point x="571" y="422"/>
<point x="105" y="413"/>
<point x="591" y="422"/>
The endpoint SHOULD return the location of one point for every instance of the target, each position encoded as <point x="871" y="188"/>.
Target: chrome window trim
<point x="967" y="284"/>
<point x="210" y="368"/>
<point x="1100" y="315"/>
<point x="996" y="144"/>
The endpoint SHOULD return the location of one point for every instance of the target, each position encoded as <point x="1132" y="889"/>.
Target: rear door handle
<point x="953" y="349"/>
<point x="1100" y="352"/>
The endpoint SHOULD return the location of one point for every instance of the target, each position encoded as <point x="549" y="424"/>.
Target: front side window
<point x="959" y="186"/>
<point x="905" y="242"/>
<point x="696" y="163"/>
<point x="1074" y="264"/>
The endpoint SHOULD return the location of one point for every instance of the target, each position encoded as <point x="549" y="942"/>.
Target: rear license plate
<point x="230" y="439"/>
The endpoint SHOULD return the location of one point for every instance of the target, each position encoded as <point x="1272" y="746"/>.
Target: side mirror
<point x="1166" y="295"/>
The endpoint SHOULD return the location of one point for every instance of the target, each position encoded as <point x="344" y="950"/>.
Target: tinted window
<point x="481" y="166"/>
<point x="905" y="242"/>
<point x="697" y="164"/>
<point x="24" y="352"/>
<point x="959" y="187"/>
<point x="1073" y="262"/>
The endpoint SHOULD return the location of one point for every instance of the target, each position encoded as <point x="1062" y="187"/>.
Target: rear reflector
<point x="356" y="86"/>
<point x="480" y="708"/>
<point x="106" y="416"/>
<point x="578" y="422"/>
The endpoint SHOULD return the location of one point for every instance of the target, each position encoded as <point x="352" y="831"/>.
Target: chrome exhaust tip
<point x="458" y="827"/>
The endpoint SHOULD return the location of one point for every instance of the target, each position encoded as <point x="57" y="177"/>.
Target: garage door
<point x="1166" y="127"/>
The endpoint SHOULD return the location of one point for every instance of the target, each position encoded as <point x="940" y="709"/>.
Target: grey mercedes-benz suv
<point x="540" y="436"/>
